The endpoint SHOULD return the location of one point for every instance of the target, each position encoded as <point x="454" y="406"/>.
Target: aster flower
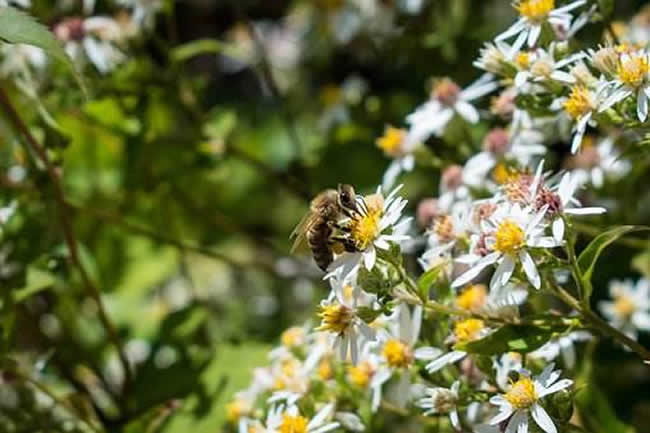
<point x="632" y="78"/>
<point x="534" y="13"/>
<point x="395" y="146"/>
<point x="580" y="105"/>
<point x="339" y="316"/>
<point x="597" y="162"/>
<point x="293" y="422"/>
<point x="447" y="99"/>
<point x="523" y="398"/>
<point x="512" y="231"/>
<point x="629" y="309"/>
<point x="541" y="66"/>
<point x="442" y="400"/>
<point x="373" y="226"/>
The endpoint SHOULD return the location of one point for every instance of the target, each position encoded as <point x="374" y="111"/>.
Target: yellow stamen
<point x="534" y="10"/>
<point x="391" y="141"/>
<point x="325" y="369"/>
<point x="523" y="60"/>
<point x="292" y="337"/>
<point x="364" y="228"/>
<point x="473" y="298"/>
<point x="633" y="69"/>
<point x="397" y="353"/>
<point x="624" y="306"/>
<point x="360" y="374"/>
<point x="503" y="174"/>
<point x="335" y="318"/>
<point x="443" y="226"/>
<point x="293" y="424"/>
<point x="468" y="330"/>
<point x="579" y="103"/>
<point x="522" y="394"/>
<point x="509" y="237"/>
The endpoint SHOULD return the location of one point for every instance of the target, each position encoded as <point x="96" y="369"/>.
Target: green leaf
<point x="641" y="263"/>
<point x="596" y="412"/>
<point x="590" y="254"/>
<point x="18" y="27"/>
<point x="36" y="281"/>
<point x="202" y="46"/>
<point x="606" y="7"/>
<point x="510" y="338"/>
<point x="426" y="280"/>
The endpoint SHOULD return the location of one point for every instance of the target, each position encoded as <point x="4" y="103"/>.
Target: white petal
<point x="475" y="270"/>
<point x="558" y="229"/>
<point x="614" y="98"/>
<point x="427" y="353"/>
<point x="558" y="386"/>
<point x="642" y="106"/>
<point x="455" y="421"/>
<point x="542" y="419"/>
<point x="446" y="359"/>
<point x="320" y="417"/>
<point x="530" y="269"/>
<point x="504" y="413"/>
<point x="514" y="29"/>
<point x="369" y="257"/>
<point x="533" y="34"/>
<point x="563" y="77"/>
<point x="503" y="273"/>
<point x="585" y="211"/>
<point x="467" y="111"/>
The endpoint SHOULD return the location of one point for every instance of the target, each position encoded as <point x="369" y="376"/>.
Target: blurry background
<point x="192" y="163"/>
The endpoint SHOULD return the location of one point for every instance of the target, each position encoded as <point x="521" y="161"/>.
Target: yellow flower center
<point x="292" y="337"/>
<point x="443" y="226"/>
<point x="522" y="394"/>
<point x="534" y="10"/>
<point x="523" y="60"/>
<point x="624" y="306"/>
<point x="509" y="237"/>
<point x="473" y="298"/>
<point x="325" y="369"/>
<point x="236" y="409"/>
<point x="364" y="229"/>
<point x="360" y="374"/>
<point x="293" y="424"/>
<point x="391" y="141"/>
<point x="633" y="69"/>
<point x="579" y="102"/>
<point x="503" y="174"/>
<point x="397" y="353"/>
<point x="468" y="330"/>
<point x="335" y="318"/>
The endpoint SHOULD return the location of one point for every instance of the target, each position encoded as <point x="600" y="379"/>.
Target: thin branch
<point x="67" y="228"/>
<point x="629" y="241"/>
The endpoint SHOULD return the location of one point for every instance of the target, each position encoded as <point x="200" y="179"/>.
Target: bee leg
<point x="340" y="227"/>
<point x="348" y="244"/>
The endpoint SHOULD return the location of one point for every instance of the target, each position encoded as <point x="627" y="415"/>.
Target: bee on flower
<point x="374" y="225"/>
<point x="533" y="15"/>
<point x="447" y="99"/>
<point x="523" y="398"/>
<point x="629" y="309"/>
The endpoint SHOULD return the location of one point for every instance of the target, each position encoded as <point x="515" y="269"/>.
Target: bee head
<point x="347" y="197"/>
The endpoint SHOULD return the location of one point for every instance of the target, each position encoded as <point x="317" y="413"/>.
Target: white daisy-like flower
<point x="511" y="231"/>
<point x="373" y="225"/>
<point x="629" y="309"/>
<point x="522" y="398"/>
<point x="597" y="162"/>
<point x="581" y="105"/>
<point x="447" y="99"/>
<point x="339" y="316"/>
<point x="395" y="146"/>
<point x="534" y="13"/>
<point x="442" y="401"/>
<point x="144" y="11"/>
<point x="542" y="67"/>
<point x="632" y="78"/>
<point x="564" y="345"/>
<point x="292" y="421"/>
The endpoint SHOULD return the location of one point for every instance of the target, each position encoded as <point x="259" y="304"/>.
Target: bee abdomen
<point x="318" y="240"/>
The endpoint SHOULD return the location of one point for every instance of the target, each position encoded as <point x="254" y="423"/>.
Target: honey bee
<point x="318" y="228"/>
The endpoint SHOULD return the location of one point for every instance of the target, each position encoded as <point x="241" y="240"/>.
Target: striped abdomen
<point x="318" y="240"/>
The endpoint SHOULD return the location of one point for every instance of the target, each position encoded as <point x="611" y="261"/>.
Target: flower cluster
<point x="500" y="236"/>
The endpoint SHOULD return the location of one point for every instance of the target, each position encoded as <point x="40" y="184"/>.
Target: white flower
<point x="534" y="13"/>
<point x="447" y="99"/>
<point x="339" y="316"/>
<point x="542" y="67"/>
<point x="630" y="309"/>
<point x="511" y="232"/>
<point x="395" y="145"/>
<point x="632" y="79"/>
<point x="580" y="105"/>
<point x="564" y="346"/>
<point x="292" y="421"/>
<point x="373" y="225"/>
<point x="523" y="398"/>
<point x="442" y="400"/>
<point x="595" y="163"/>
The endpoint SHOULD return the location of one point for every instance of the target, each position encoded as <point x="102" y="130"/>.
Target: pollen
<point x="579" y="102"/>
<point x="509" y="237"/>
<point x="443" y="226"/>
<point x="468" y="330"/>
<point x="391" y="141"/>
<point x="364" y="229"/>
<point x="473" y="298"/>
<point x="624" y="306"/>
<point x="534" y="10"/>
<point x="633" y="69"/>
<point x="361" y="374"/>
<point x="292" y="337"/>
<point x="293" y="424"/>
<point x="522" y="395"/>
<point x="397" y="353"/>
<point x="503" y="174"/>
<point x="335" y="318"/>
<point x="523" y="60"/>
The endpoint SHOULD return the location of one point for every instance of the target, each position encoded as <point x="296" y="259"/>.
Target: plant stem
<point x="67" y="228"/>
<point x="58" y="400"/>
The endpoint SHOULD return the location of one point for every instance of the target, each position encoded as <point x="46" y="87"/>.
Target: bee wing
<point x="299" y="234"/>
